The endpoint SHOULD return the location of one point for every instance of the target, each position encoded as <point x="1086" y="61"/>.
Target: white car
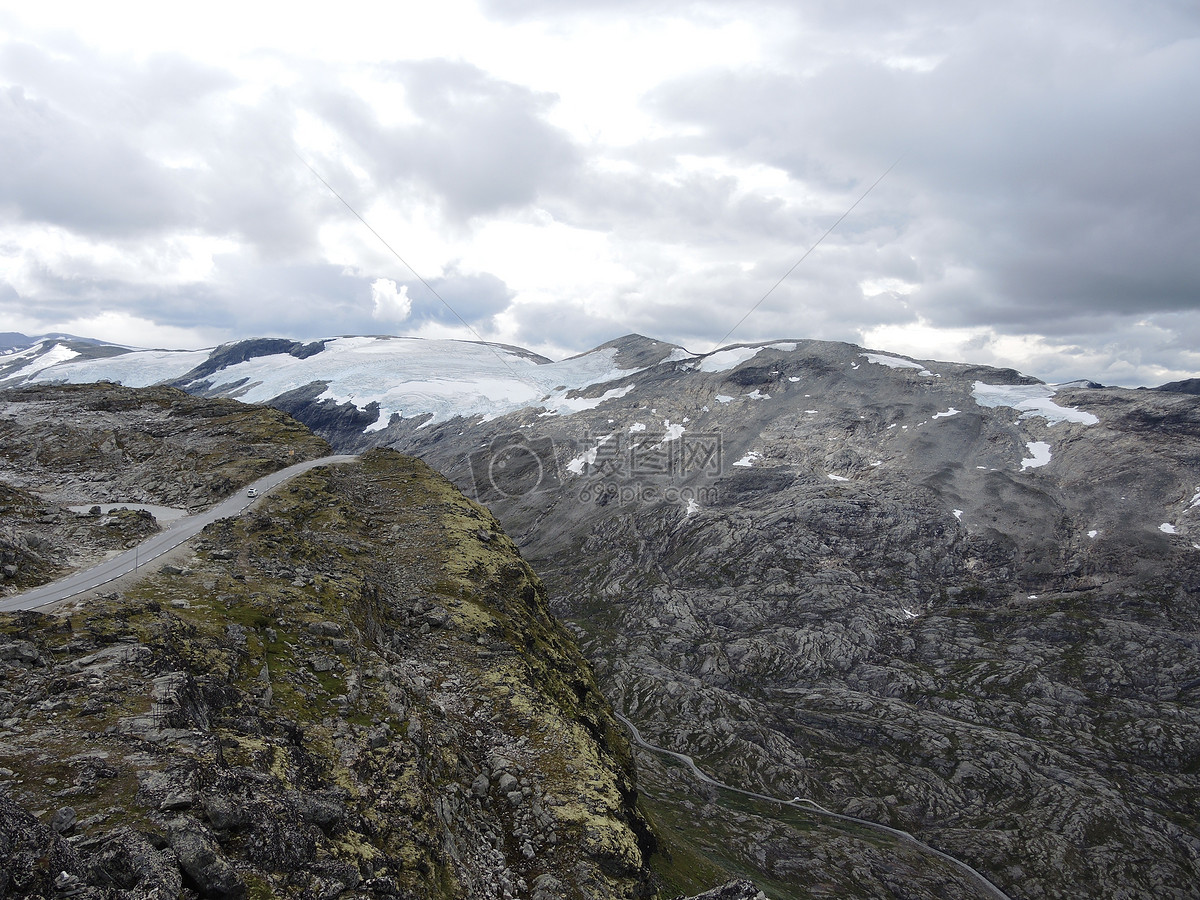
<point x="252" y="493"/>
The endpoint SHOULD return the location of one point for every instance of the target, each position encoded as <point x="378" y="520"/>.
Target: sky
<point x="1012" y="184"/>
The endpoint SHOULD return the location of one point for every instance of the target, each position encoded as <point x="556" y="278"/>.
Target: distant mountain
<point x="1187" y="386"/>
<point x="947" y="598"/>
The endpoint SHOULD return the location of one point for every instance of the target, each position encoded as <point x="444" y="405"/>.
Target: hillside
<point x="354" y="690"/>
<point x="948" y="599"/>
<point x="940" y="597"/>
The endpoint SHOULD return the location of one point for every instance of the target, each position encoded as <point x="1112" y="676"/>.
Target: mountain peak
<point x="636" y="351"/>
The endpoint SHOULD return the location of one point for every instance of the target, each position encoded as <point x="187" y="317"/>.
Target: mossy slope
<point x="356" y="690"/>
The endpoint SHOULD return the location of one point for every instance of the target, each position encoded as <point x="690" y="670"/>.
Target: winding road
<point x="158" y="544"/>
<point x="986" y="886"/>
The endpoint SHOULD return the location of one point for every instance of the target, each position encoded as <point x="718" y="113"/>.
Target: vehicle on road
<point x="252" y="493"/>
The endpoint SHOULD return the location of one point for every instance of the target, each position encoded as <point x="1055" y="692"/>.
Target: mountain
<point x="355" y="690"/>
<point x="945" y="598"/>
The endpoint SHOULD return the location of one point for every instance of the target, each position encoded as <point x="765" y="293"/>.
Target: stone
<point x="64" y="820"/>
<point x="201" y="858"/>
<point x="479" y="787"/>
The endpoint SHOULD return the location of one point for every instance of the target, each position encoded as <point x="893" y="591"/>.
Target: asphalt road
<point x="158" y="544"/>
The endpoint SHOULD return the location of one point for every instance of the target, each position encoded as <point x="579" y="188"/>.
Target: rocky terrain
<point x="88" y="446"/>
<point x="940" y="597"/>
<point x="355" y="690"/>
<point x="894" y="595"/>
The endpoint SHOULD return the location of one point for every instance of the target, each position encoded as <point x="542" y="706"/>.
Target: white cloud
<point x="388" y="303"/>
<point x="1043" y="218"/>
<point x="135" y="331"/>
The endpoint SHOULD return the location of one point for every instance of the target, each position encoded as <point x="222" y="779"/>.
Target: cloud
<point x="1045" y="179"/>
<point x="56" y="170"/>
<point x="389" y="304"/>
<point x="478" y="144"/>
<point x="473" y="297"/>
<point x="135" y="331"/>
<point x="585" y="175"/>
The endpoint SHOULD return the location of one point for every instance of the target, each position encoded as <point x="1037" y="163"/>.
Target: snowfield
<point x="407" y="377"/>
<point x="1030" y="400"/>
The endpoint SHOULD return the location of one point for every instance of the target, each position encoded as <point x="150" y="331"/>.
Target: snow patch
<point x="749" y="459"/>
<point x="1167" y="528"/>
<point x="636" y="427"/>
<point x="894" y="362"/>
<point x="692" y="507"/>
<point x="958" y="514"/>
<point x="1039" y="455"/>
<point x="721" y="398"/>
<point x="1030" y="400"/>
<point x="724" y="360"/>
<point x="672" y="432"/>
<point x="587" y="458"/>
<point x="838" y="478"/>
<point x="947" y="414"/>
<point x="561" y="405"/>
<point x="756" y="394"/>
<point x="58" y="353"/>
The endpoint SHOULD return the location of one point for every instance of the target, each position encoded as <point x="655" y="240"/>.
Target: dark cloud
<point x="1048" y="158"/>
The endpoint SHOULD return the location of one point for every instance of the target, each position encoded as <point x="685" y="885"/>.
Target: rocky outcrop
<point x="357" y="690"/>
<point x="734" y="890"/>
<point x="108" y="443"/>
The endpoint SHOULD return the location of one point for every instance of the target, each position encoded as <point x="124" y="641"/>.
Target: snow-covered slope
<point x="397" y="376"/>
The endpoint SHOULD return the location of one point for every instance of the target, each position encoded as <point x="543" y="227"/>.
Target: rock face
<point x="357" y="690"/>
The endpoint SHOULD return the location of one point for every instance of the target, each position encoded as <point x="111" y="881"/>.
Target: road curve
<point x="812" y="806"/>
<point x="158" y="544"/>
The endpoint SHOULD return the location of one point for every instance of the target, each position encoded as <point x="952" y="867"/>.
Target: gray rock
<point x="64" y="820"/>
<point x="733" y="890"/>
<point x="479" y="787"/>
<point x="33" y="854"/>
<point x="201" y="858"/>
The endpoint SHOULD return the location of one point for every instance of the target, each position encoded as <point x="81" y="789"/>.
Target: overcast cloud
<point x="564" y="173"/>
